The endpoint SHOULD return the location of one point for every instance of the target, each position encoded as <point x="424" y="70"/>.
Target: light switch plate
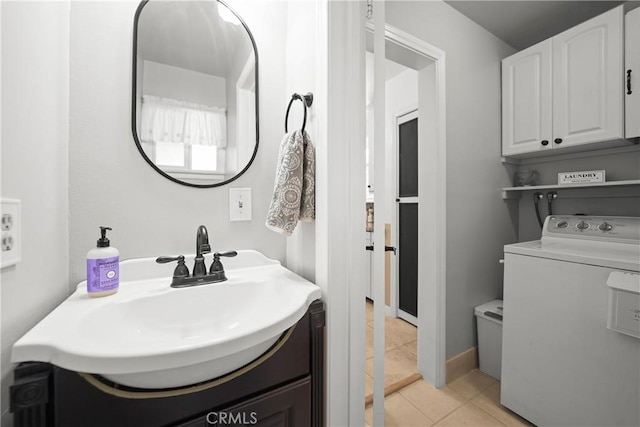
<point x="240" y="204"/>
<point x="10" y="239"/>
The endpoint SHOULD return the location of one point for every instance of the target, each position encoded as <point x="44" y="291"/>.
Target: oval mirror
<point x="195" y="91"/>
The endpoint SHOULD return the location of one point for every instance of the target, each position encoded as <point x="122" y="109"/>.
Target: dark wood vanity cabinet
<point x="287" y="389"/>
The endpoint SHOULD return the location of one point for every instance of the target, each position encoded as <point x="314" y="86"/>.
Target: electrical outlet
<point x="239" y="204"/>
<point x="7" y="222"/>
<point x="10" y="241"/>
<point x="7" y="243"/>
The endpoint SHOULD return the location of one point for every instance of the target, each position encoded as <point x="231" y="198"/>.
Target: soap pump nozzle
<point x="103" y="242"/>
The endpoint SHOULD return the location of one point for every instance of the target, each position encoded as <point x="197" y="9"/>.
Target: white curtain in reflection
<point x="169" y="120"/>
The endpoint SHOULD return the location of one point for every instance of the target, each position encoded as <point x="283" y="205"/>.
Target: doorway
<point x="419" y="228"/>
<point x="400" y="337"/>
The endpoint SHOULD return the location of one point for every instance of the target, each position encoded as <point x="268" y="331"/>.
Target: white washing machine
<point x="571" y="328"/>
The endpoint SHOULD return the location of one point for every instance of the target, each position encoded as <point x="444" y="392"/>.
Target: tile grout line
<point x="488" y="398"/>
<point x="433" y="423"/>
<point x="498" y="406"/>
<point x="486" y="412"/>
<point x="466" y="401"/>
<point x="444" y="416"/>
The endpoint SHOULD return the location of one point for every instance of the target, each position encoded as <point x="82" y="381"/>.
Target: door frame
<point x="340" y="116"/>
<point x="432" y="216"/>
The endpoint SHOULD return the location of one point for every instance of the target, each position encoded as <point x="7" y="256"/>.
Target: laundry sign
<point x="580" y="177"/>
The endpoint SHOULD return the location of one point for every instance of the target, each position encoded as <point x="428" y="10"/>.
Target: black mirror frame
<point x="134" y="102"/>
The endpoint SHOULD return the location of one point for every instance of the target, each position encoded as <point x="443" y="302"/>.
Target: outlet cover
<point x="10" y="238"/>
<point x="240" y="204"/>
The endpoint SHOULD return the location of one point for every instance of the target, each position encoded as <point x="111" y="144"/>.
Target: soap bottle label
<point x="103" y="274"/>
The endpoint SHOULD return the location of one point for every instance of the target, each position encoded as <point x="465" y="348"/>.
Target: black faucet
<point x="202" y="247"/>
<point x="181" y="278"/>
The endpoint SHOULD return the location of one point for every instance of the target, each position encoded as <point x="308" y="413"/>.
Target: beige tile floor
<point x="400" y="350"/>
<point x="472" y="400"/>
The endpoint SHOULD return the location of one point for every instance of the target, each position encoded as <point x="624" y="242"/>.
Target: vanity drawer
<point x="286" y="406"/>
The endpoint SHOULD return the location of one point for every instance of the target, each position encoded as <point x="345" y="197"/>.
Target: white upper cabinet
<point x="566" y="91"/>
<point x="526" y="100"/>
<point x="632" y="74"/>
<point x="587" y="81"/>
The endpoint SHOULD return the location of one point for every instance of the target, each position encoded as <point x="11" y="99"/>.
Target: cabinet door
<point x="287" y="406"/>
<point x="587" y="81"/>
<point x="632" y="73"/>
<point x="526" y="100"/>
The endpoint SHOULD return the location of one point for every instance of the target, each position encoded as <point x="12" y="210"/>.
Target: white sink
<point x="149" y="335"/>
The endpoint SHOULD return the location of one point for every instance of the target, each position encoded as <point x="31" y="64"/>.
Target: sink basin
<point x="149" y="335"/>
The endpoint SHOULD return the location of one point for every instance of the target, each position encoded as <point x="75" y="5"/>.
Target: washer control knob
<point x="605" y="226"/>
<point x="582" y="225"/>
<point x="562" y="224"/>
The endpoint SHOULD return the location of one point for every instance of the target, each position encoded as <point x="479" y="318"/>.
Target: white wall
<point x="620" y="166"/>
<point x="478" y="221"/>
<point x="110" y="184"/>
<point x="301" y="77"/>
<point x="35" y="116"/>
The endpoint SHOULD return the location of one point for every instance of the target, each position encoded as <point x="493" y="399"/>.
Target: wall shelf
<point x="516" y="192"/>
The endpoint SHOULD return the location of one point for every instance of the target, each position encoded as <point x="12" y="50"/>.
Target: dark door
<point x="408" y="214"/>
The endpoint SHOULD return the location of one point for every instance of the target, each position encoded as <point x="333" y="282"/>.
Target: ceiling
<point x="524" y="23"/>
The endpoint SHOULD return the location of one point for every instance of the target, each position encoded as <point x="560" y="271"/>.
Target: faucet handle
<point x="181" y="269"/>
<point x="216" y="265"/>
<point x="228" y="253"/>
<point x="166" y="259"/>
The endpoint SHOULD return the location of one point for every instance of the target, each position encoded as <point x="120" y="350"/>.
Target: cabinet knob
<point x="558" y="140"/>
<point x="544" y="142"/>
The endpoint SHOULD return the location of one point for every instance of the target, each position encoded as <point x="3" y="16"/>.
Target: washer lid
<point x="622" y="256"/>
<point x="605" y="241"/>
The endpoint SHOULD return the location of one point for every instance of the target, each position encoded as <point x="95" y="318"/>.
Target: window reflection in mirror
<point x="195" y="118"/>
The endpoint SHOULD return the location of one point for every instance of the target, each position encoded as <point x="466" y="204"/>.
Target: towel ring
<point x="307" y="100"/>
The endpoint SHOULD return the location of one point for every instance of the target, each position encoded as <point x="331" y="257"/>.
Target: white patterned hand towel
<point x="294" y="190"/>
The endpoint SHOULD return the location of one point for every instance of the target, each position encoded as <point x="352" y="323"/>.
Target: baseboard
<point x="462" y="363"/>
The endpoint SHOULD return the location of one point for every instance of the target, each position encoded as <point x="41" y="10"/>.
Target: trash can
<point x="489" y="319"/>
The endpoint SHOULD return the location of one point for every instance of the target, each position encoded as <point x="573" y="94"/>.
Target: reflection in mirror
<point x="195" y="91"/>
